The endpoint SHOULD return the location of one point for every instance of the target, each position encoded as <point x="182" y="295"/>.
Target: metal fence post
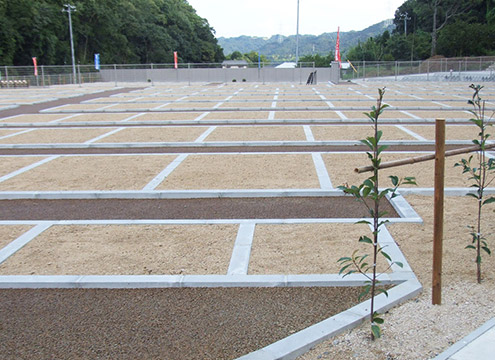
<point x="7" y="75"/>
<point x="79" y="73"/>
<point x="396" y="70"/>
<point x="427" y="70"/>
<point x="43" y="75"/>
<point x="115" y="73"/>
<point x="151" y="75"/>
<point x="189" y="73"/>
<point x="364" y="69"/>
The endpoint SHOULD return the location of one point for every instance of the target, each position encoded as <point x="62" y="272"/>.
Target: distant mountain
<point x="283" y="48"/>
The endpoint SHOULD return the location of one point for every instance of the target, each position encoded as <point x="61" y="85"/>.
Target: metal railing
<point x="445" y="69"/>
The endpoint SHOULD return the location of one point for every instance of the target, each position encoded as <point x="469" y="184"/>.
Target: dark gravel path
<point x="36" y="108"/>
<point x="200" y="323"/>
<point x="209" y="149"/>
<point x="208" y="208"/>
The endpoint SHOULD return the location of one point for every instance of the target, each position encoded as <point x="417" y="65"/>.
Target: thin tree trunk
<point x="434" y="32"/>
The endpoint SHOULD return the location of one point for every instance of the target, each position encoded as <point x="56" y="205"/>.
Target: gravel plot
<point x="155" y="134"/>
<point x="230" y="115"/>
<point x="90" y="173"/>
<point x="58" y="136"/>
<point x="125" y="249"/>
<point x="208" y="208"/>
<point x="243" y="171"/>
<point x="257" y="133"/>
<point x="9" y="233"/>
<point x="338" y="132"/>
<point x="10" y="164"/>
<point x="452" y="132"/>
<point x="175" y="324"/>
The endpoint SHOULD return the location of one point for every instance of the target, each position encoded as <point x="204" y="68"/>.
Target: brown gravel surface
<point x="199" y="323"/>
<point x="214" y="208"/>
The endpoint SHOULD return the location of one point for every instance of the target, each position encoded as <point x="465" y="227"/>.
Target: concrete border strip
<point x="166" y="172"/>
<point x="114" y="131"/>
<point x="64" y="118"/>
<point x="203" y="115"/>
<point x="160" y="106"/>
<point x="299" y="343"/>
<point x="104" y="107"/>
<point x="322" y="172"/>
<point x="239" y="262"/>
<point x="410" y="115"/>
<point x="441" y="104"/>
<point x="308" y="133"/>
<point x="133" y="117"/>
<point x="410" y="132"/>
<point x="204" y="135"/>
<point x="17" y="133"/>
<point x="27" y="168"/>
<point x="461" y="344"/>
<point x="22" y="240"/>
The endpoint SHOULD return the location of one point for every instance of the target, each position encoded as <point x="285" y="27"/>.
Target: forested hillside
<point x="426" y="28"/>
<point x="282" y="48"/>
<point x="121" y="31"/>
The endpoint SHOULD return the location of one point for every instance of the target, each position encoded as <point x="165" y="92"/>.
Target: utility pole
<point x="297" y="34"/>
<point x="405" y="17"/>
<point x="69" y="9"/>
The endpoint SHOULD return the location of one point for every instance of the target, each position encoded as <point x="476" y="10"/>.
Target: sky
<point x="231" y="18"/>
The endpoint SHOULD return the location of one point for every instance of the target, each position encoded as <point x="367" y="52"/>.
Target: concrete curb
<point x="458" y="346"/>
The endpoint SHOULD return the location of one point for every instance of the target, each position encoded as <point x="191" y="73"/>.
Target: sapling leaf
<point x="487" y="250"/>
<point x="387" y="256"/>
<point x="365" y="292"/>
<point x="375" y="329"/>
<point x="382" y="291"/>
<point x="470" y="247"/>
<point x="365" y="239"/>
<point x="489" y="201"/>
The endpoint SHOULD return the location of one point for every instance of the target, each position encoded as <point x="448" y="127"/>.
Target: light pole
<point x="68" y="9"/>
<point x="297" y="34"/>
<point x="405" y="17"/>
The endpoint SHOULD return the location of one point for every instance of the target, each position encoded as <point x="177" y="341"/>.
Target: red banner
<point x="175" y="60"/>
<point x="35" y="63"/>
<point x="337" y="47"/>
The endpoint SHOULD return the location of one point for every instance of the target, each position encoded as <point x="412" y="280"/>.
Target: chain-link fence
<point x="443" y="69"/>
<point x="451" y="69"/>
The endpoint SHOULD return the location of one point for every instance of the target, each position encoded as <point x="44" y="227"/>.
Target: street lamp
<point x="68" y="9"/>
<point x="297" y="34"/>
<point x="406" y="17"/>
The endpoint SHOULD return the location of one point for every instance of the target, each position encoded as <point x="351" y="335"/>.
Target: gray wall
<point x="270" y="75"/>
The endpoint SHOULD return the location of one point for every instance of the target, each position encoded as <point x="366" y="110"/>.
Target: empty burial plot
<point x="303" y="114"/>
<point x="387" y="114"/>
<point x="358" y="104"/>
<point x="14" y="163"/>
<point x="97" y="117"/>
<point x="125" y="250"/>
<point x="167" y="116"/>
<point x="444" y="114"/>
<point x="246" y="104"/>
<point x="77" y="107"/>
<point x="4" y="132"/>
<point x="305" y="248"/>
<point x="452" y="132"/>
<point x="9" y="233"/>
<point x="155" y="134"/>
<point x="67" y="173"/>
<point x="302" y="104"/>
<point x="257" y="133"/>
<point x="357" y="132"/>
<point x="56" y="136"/>
<point x="341" y="170"/>
<point x="33" y="118"/>
<point x="243" y="171"/>
<point x="236" y="115"/>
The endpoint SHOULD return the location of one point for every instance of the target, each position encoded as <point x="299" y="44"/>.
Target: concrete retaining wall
<point x="270" y="75"/>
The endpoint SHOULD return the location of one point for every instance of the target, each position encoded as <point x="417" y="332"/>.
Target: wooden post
<point x="438" y="211"/>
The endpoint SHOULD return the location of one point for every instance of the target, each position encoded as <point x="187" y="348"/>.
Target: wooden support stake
<point x="438" y="211"/>
<point x="422" y="158"/>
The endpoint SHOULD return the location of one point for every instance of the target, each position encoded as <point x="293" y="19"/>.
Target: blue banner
<point x="97" y="61"/>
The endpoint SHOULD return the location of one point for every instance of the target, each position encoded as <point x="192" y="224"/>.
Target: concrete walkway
<point x="479" y="345"/>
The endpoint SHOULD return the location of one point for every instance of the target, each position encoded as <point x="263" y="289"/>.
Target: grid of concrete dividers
<point x="170" y="141"/>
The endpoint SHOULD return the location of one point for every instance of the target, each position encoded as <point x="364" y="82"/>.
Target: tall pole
<point x="297" y="34"/>
<point x="69" y="9"/>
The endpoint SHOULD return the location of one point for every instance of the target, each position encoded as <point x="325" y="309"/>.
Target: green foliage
<point x="481" y="170"/>
<point x="282" y="48"/>
<point x="122" y="31"/>
<point x="369" y="194"/>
